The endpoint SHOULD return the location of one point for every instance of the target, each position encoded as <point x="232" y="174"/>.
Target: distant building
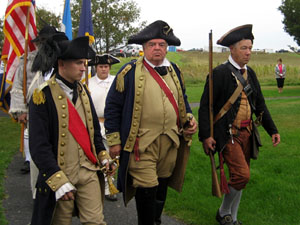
<point x="172" y="49"/>
<point x="217" y="49"/>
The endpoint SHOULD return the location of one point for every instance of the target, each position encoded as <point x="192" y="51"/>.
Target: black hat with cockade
<point x="104" y="59"/>
<point x="156" y="30"/>
<point x="236" y="34"/>
<point x="78" y="48"/>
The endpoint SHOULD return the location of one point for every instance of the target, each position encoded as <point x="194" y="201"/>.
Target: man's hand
<point x="209" y="144"/>
<point x="275" y="139"/>
<point x="22" y="118"/>
<point x="68" y="196"/>
<point x="191" y="128"/>
<point x="114" y="151"/>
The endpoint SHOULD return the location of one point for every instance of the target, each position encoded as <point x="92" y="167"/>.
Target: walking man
<point x="147" y="118"/>
<point x="99" y="86"/>
<point x="236" y="96"/>
<point x="65" y="140"/>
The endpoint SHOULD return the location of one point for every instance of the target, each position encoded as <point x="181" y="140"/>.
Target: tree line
<point x="113" y="21"/>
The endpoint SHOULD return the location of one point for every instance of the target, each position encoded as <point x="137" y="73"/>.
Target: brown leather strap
<point x="229" y="102"/>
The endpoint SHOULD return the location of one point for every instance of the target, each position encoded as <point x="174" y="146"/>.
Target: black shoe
<point x="112" y="198"/>
<point x="225" y="220"/>
<point x="26" y="167"/>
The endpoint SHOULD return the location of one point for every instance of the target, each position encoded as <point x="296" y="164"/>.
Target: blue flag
<point x="86" y="24"/>
<point x="4" y="90"/>
<point x="66" y="21"/>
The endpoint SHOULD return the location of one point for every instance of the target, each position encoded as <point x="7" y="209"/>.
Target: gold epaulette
<point x="38" y="96"/>
<point x="181" y="76"/>
<point x="120" y="78"/>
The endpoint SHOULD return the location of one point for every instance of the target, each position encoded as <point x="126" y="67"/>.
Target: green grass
<point x="272" y="195"/>
<point x="9" y="144"/>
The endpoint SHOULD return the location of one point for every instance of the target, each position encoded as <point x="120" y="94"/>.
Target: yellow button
<point x="45" y="190"/>
<point x="63" y="115"/>
<point x="62" y="153"/>
<point x="138" y="93"/>
<point x="139" y="85"/>
<point x="62" y="163"/>
<point x="49" y="181"/>
<point x="63" y="134"/>
<point x="53" y="187"/>
<point x="58" y="176"/>
<point x="90" y="119"/>
<point x="63" y="106"/>
<point x="53" y="82"/>
<point x="64" y="125"/>
<point x="115" y="135"/>
<point x="62" y="144"/>
<point x="60" y="97"/>
<point x="44" y="174"/>
<point x="88" y="111"/>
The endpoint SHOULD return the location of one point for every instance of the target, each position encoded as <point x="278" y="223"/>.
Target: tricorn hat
<point x="78" y="48"/>
<point x="156" y="30"/>
<point x="104" y="59"/>
<point x="236" y="34"/>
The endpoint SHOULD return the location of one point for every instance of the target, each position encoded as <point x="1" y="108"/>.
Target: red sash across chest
<point x="80" y="133"/>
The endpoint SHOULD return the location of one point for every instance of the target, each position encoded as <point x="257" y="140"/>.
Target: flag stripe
<point x="14" y="30"/>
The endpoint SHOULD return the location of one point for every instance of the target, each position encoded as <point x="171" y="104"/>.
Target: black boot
<point x="145" y="205"/>
<point x="161" y="196"/>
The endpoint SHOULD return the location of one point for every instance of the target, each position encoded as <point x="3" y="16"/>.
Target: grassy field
<point x="272" y="195"/>
<point x="194" y="65"/>
<point x="9" y="145"/>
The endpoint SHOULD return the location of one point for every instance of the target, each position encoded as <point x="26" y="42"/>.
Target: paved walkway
<point x="18" y="202"/>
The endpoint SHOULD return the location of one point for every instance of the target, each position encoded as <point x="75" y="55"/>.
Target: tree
<point x="112" y="21"/>
<point x="291" y="12"/>
<point x="44" y="17"/>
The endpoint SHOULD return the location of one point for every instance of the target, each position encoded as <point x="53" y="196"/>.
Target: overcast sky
<point x="192" y="20"/>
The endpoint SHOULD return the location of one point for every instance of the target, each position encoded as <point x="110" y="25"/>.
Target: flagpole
<point x="25" y="76"/>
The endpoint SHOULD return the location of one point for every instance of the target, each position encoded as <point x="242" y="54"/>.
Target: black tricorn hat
<point x="156" y="30"/>
<point x="236" y="34"/>
<point x="104" y="59"/>
<point x="78" y="48"/>
<point x="45" y="32"/>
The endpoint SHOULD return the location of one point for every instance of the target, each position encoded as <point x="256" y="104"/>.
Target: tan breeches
<point x="158" y="160"/>
<point x="88" y="201"/>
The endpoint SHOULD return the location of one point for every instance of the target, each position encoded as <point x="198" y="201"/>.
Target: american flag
<point x="14" y="32"/>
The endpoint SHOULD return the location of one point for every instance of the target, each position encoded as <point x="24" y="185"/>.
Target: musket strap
<point x="229" y="102"/>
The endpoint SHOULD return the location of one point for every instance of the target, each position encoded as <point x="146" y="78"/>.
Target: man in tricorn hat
<point x="147" y="118"/>
<point x="65" y="139"/>
<point x="18" y="108"/>
<point x="99" y="86"/>
<point x="236" y="96"/>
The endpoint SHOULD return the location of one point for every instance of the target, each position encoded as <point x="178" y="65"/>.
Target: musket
<point x="216" y="190"/>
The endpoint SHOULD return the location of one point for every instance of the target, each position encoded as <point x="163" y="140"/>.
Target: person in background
<point x="147" y="118"/>
<point x="280" y="72"/>
<point x="18" y="108"/>
<point x="233" y="127"/>
<point x="65" y="139"/>
<point x="99" y="86"/>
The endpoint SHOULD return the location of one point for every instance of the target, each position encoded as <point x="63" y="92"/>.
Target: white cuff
<point x="67" y="187"/>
